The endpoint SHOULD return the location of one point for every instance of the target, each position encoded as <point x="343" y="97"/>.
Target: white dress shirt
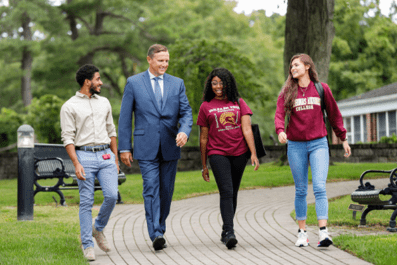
<point x="161" y="82"/>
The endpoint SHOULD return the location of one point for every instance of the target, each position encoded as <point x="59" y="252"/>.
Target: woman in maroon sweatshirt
<point x="307" y="140"/>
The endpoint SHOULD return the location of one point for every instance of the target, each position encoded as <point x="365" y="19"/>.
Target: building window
<point x="348" y="129"/>
<point x="357" y="129"/>
<point x="392" y="123"/>
<point x="382" y="130"/>
<point x="364" y="129"/>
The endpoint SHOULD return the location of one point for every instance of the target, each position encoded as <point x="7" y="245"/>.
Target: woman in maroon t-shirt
<point x="307" y="140"/>
<point x="225" y="132"/>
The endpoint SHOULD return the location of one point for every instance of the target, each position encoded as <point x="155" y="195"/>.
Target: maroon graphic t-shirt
<point x="223" y="119"/>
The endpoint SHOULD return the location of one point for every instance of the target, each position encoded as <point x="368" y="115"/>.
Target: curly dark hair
<point x="229" y="85"/>
<point x="87" y="71"/>
<point x="290" y="88"/>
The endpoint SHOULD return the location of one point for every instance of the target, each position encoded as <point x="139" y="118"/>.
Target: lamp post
<point x="25" y="172"/>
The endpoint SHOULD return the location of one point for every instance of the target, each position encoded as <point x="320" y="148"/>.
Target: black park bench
<point x="368" y="195"/>
<point x="51" y="161"/>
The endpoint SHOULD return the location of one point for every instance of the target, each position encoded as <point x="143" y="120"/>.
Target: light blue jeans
<point x="299" y="155"/>
<point x="106" y="171"/>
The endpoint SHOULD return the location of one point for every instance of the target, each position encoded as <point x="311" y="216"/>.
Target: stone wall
<point x="191" y="160"/>
<point x="361" y="153"/>
<point x="8" y="165"/>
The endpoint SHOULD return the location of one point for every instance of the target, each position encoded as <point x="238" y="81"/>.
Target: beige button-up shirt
<point x="87" y="121"/>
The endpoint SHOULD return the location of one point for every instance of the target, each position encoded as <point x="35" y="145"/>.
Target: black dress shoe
<point x="158" y="243"/>
<point x="229" y="240"/>
<point x="223" y="235"/>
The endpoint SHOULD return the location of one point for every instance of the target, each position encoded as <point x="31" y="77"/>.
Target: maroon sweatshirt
<point x="306" y="122"/>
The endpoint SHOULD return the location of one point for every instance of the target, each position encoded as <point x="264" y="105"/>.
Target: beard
<point x="93" y="91"/>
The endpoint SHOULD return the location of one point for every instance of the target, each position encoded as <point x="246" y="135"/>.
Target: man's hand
<point x="181" y="139"/>
<point x="282" y="137"/>
<point x="80" y="174"/>
<point x="126" y="158"/>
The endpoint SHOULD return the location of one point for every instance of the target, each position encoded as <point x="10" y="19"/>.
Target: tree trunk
<point x="309" y="29"/>
<point x="72" y="23"/>
<point x="26" y="61"/>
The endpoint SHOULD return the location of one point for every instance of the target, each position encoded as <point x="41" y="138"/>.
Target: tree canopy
<point x="43" y="45"/>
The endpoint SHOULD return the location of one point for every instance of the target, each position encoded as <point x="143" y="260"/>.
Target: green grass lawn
<point x="52" y="238"/>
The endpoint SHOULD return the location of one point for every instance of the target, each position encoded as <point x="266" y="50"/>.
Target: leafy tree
<point x="363" y="50"/>
<point x="9" y="124"/>
<point x="43" y="116"/>
<point x="264" y="47"/>
<point x="109" y="34"/>
<point x="115" y="36"/>
<point x="193" y="60"/>
<point x="18" y="23"/>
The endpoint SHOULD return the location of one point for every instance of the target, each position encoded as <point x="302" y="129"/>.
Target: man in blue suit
<point x="163" y="121"/>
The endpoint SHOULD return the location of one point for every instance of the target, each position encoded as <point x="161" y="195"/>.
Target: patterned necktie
<point x="157" y="92"/>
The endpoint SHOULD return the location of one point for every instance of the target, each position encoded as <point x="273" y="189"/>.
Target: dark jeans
<point x="228" y="171"/>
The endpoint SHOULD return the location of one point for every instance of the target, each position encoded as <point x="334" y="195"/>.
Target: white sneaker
<point x="303" y="239"/>
<point x="100" y="239"/>
<point x="324" y="239"/>
<point x="89" y="253"/>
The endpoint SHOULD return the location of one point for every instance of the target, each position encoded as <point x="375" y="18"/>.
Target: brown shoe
<point x="100" y="239"/>
<point x="89" y="253"/>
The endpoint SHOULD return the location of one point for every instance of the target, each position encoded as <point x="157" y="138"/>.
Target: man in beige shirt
<point x="89" y="136"/>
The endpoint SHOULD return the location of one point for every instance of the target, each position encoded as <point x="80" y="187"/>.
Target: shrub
<point x="389" y="139"/>
<point x="43" y="116"/>
<point x="9" y="124"/>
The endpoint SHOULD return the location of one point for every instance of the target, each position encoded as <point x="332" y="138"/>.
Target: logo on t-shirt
<point x="227" y="118"/>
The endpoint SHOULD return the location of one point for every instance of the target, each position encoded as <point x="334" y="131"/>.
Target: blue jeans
<point x="299" y="155"/>
<point x="106" y="171"/>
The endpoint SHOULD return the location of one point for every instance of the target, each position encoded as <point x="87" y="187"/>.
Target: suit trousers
<point x="158" y="187"/>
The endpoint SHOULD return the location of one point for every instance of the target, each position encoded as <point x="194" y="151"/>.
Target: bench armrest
<point x="393" y="176"/>
<point x="371" y="171"/>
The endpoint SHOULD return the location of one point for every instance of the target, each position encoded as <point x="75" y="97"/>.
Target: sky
<point x="270" y="6"/>
<point x="280" y="6"/>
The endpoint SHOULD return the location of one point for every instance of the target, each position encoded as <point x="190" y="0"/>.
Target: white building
<point x="370" y="116"/>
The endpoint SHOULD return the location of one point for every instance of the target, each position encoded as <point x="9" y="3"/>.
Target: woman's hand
<point x="205" y="174"/>
<point x="346" y="146"/>
<point x="282" y="137"/>
<point x="255" y="161"/>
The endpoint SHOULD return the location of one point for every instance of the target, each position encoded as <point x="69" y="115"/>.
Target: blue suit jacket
<point x="153" y="126"/>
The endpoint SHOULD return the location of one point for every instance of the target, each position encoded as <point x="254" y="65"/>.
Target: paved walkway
<point x="265" y="231"/>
